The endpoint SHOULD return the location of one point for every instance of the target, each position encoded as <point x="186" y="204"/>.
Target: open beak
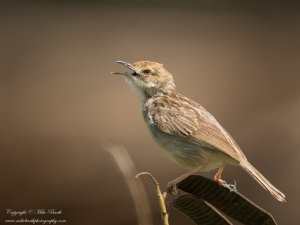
<point x="128" y="65"/>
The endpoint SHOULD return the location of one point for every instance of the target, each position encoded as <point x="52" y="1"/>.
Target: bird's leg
<point x="218" y="175"/>
<point x="172" y="185"/>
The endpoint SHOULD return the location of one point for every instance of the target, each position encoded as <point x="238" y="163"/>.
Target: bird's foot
<point x="231" y="187"/>
<point x="172" y="188"/>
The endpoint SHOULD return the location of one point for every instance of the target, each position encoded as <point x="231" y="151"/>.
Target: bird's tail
<point x="263" y="181"/>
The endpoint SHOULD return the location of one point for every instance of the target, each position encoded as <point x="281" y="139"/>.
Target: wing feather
<point x="192" y="122"/>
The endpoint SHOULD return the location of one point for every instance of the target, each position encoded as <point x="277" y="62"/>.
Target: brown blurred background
<point x="59" y="103"/>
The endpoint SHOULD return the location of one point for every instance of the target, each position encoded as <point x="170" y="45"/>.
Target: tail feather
<point x="263" y="181"/>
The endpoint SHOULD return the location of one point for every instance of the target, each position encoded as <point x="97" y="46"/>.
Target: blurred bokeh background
<point x="59" y="103"/>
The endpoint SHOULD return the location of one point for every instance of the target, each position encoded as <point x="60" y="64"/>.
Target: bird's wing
<point x="194" y="123"/>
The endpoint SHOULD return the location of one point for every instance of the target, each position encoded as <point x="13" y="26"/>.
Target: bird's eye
<point x="146" y="71"/>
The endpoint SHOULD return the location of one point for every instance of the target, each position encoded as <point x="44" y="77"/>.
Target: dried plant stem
<point x="161" y="198"/>
<point x="137" y="189"/>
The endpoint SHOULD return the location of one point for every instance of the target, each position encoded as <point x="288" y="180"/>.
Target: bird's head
<point x="147" y="78"/>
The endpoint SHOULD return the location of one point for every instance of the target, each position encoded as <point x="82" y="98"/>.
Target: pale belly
<point x="188" y="155"/>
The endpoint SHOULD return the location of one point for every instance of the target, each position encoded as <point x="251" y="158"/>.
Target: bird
<point x="184" y="130"/>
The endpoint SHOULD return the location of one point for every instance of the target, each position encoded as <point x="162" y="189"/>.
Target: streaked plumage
<point x="185" y="131"/>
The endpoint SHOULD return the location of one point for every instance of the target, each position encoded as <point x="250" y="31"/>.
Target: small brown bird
<point x="185" y="131"/>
